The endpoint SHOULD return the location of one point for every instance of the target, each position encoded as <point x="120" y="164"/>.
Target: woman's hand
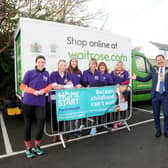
<point x="41" y="92"/>
<point x="69" y="83"/>
<point x="58" y="87"/>
<point x="36" y="93"/>
<point x="78" y="86"/>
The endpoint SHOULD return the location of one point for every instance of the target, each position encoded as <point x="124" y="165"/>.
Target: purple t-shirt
<point x="91" y="79"/>
<point x="76" y="78"/>
<point x="106" y="79"/>
<point x="56" y="78"/>
<point x="118" y="79"/>
<point x="36" y="80"/>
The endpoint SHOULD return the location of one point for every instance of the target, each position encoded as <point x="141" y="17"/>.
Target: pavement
<point x="137" y="148"/>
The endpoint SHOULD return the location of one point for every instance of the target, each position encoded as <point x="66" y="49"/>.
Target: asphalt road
<point x="137" y="148"/>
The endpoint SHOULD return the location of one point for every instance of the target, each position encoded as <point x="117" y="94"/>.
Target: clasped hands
<point x="38" y="92"/>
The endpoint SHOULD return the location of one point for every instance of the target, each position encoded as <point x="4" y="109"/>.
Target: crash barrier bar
<point x="75" y="110"/>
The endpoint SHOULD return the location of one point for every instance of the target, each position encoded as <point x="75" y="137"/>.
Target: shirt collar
<point x="163" y="68"/>
<point x="91" y="72"/>
<point x="39" y="70"/>
<point x="62" y="76"/>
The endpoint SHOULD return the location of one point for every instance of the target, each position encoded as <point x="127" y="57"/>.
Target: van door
<point x="141" y="67"/>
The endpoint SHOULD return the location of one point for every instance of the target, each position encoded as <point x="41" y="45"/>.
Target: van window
<point x="148" y="66"/>
<point x="142" y="64"/>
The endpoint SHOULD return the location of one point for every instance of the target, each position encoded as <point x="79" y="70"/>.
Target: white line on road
<point x="148" y="111"/>
<point x="7" y="143"/>
<point x="136" y="108"/>
<point x="84" y="137"/>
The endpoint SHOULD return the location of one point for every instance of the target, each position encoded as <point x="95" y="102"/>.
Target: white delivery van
<point x="62" y="41"/>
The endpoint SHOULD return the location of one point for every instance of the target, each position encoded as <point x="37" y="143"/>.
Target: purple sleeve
<point x="26" y="78"/>
<point x="52" y="78"/>
<point x="84" y="80"/>
<point x="70" y="78"/>
<point x="84" y="77"/>
<point x="112" y="78"/>
<point x="49" y="81"/>
<point x="126" y="78"/>
<point x="126" y="75"/>
<point x="81" y="78"/>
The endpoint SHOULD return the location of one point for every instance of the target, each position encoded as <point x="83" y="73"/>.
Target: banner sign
<point x="72" y="104"/>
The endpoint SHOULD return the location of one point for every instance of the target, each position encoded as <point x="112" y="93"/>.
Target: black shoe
<point x="166" y="134"/>
<point x="158" y="134"/>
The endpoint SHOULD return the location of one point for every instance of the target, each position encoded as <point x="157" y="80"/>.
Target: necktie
<point x="161" y="82"/>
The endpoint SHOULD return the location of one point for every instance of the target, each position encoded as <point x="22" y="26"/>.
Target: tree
<point x="65" y="11"/>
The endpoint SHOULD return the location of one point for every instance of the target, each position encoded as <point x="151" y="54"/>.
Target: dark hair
<point x="103" y="64"/>
<point x="40" y="57"/>
<point x="71" y="70"/>
<point x="160" y="56"/>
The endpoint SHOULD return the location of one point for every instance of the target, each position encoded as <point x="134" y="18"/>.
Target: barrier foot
<point x="126" y="124"/>
<point x="62" y="141"/>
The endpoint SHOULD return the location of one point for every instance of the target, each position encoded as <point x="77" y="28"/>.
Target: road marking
<point x="136" y="108"/>
<point x="148" y="111"/>
<point x="80" y="138"/>
<point x="7" y="143"/>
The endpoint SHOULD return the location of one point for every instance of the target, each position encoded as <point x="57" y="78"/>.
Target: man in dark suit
<point x="159" y="76"/>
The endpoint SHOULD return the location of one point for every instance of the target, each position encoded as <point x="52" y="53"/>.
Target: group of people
<point x="37" y="82"/>
<point x="96" y="75"/>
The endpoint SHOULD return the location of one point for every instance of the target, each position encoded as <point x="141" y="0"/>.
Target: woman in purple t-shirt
<point x="34" y="85"/>
<point x="59" y="79"/>
<point x="119" y="76"/>
<point x="91" y="77"/>
<point x="105" y="76"/>
<point x="75" y="73"/>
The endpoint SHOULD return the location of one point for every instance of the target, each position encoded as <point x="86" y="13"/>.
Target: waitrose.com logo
<point x="87" y="55"/>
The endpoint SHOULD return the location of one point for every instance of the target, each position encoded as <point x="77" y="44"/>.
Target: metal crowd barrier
<point x="123" y="107"/>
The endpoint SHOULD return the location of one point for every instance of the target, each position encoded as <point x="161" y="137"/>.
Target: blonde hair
<point x="120" y="62"/>
<point x="61" y="60"/>
<point x="94" y="60"/>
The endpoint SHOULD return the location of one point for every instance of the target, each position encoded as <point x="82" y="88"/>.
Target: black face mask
<point x="39" y="70"/>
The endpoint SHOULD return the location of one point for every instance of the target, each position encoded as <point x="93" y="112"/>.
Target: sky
<point x="140" y="20"/>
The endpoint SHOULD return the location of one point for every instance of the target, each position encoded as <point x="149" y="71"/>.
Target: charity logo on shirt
<point x="45" y="78"/>
<point x="121" y="75"/>
<point x="96" y="77"/>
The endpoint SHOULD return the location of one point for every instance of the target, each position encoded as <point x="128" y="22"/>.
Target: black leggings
<point x="40" y="113"/>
